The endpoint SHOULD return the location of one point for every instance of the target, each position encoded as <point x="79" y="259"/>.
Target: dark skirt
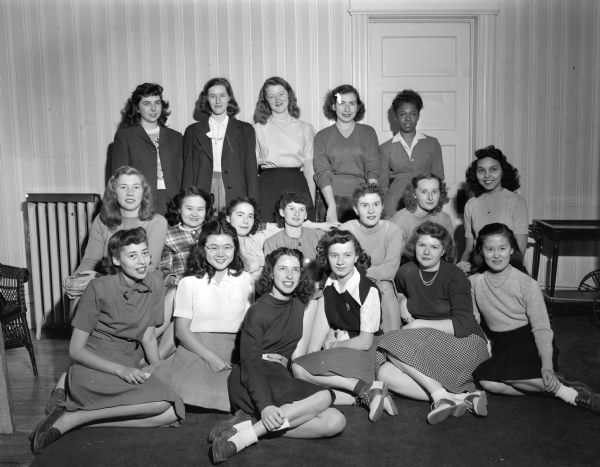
<point x="342" y="361"/>
<point x="284" y="388"/>
<point x="443" y="357"/>
<point x="90" y="389"/>
<point x="345" y="210"/>
<point x="273" y="182"/>
<point x="514" y="357"/>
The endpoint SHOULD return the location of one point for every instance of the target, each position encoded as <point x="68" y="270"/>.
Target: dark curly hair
<point x="252" y="202"/>
<point x="305" y="289"/>
<point x="516" y="259"/>
<point x="199" y="266"/>
<point x="335" y="236"/>
<point x="288" y="197"/>
<point x="410" y="200"/>
<point x="130" y="115"/>
<point x="433" y="230"/>
<point x="510" y="175"/>
<point x="263" y="110"/>
<point x="173" y="216"/>
<point x="330" y="99"/>
<point x="117" y="241"/>
<point x="110" y="212"/>
<point x="202" y="105"/>
<point x="366" y="189"/>
<point x="407" y="96"/>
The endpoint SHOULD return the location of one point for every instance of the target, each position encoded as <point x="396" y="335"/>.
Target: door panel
<point x="433" y="58"/>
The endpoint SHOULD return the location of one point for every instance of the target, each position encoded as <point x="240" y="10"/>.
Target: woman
<point x="343" y="343"/>
<point x="423" y="200"/>
<point x="408" y="153"/>
<point x="117" y="314"/>
<point x="219" y="150"/>
<point x="433" y="356"/>
<point x="346" y="154"/>
<point x="284" y="148"/>
<point x="523" y="358"/>
<point x="126" y="203"/>
<point x="493" y="181"/>
<point x="143" y="141"/>
<point x="210" y="305"/>
<point x="263" y="386"/>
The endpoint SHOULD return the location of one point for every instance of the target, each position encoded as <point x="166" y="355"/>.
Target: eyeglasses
<point x="223" y="248"/>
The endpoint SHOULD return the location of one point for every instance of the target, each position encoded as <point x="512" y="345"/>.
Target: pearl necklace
<point x="491" y="283"/>
<point x="430" y="281"/>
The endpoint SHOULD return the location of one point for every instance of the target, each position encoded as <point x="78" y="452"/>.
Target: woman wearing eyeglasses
<point x="210" y="305"/>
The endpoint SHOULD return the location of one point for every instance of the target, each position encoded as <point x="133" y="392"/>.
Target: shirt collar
<point x="217" y="129"/>
<point x="399" y="139"/>
<point x="351" y="285"/>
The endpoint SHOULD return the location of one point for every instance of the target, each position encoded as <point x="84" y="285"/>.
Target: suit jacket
<point x="133" y="147"/>
<point x="238" y="160"/>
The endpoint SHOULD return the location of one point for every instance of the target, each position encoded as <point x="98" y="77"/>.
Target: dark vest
<point x="342" y="311"/>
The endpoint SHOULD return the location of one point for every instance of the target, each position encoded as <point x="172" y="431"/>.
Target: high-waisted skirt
<point x="273" y="182"/>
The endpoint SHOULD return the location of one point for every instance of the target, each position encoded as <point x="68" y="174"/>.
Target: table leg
<point x="537" y="249"/>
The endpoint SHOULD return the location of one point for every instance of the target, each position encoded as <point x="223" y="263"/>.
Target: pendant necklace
<point x="430" y="281"/>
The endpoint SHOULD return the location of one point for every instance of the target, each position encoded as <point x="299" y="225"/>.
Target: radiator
<point x="58" y="227"/>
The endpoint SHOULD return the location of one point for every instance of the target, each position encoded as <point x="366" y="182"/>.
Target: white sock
<point x="245" y="435"/>
<point x="567" y="394"/>
<point x="440" y="394"/>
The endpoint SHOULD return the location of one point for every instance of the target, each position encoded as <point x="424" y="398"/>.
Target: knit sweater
<point x="383" y="243"/>
<point x="516" y="302"/>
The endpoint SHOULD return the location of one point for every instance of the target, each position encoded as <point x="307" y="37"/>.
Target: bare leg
<point x="139" y="415"/>
<point x="497" y="387"/>
<point x="390" y="309"/>
<point x="401" y="383"/>
<point x="425" y="382"/>
<point x="166" y="344"/>
<point x="344" y="397"/>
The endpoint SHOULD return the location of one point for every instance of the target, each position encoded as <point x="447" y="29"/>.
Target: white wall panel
<point x="69" y="65"/>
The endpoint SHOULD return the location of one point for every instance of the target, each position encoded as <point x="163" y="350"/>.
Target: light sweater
<point x="515" y="303"/>
<point x="383" y="243"/>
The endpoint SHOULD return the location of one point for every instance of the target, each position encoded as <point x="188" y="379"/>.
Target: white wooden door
<point x="433" y="58"/>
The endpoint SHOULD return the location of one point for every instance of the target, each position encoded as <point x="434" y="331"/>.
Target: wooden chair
<point x="13" y="312"/>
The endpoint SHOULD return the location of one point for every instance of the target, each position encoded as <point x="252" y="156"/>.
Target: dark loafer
<point x="45" y="433"/>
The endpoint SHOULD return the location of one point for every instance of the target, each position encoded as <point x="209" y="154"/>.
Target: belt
<point x="276" y="358"/>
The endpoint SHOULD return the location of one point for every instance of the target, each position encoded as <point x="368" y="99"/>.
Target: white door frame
<point x="481" y="13"/>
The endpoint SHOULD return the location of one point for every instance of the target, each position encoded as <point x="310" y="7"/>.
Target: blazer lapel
<point x="231" y="137"/>
<point x="141" y="133"/>
<point x="204" y="141"/>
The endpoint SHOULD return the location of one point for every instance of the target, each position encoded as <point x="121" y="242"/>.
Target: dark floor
<point x="519" y="431"/>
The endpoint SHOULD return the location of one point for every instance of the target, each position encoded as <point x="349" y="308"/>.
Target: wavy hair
<point x="436" y="231"/>
<point x="252" y="202"/>
<point x="330" y="99"/>
<point x="510" y="175"/>
<point x="199" y="266"/>
<point x="202" y="105"/>
<point x="410" y="200"/>
<point x="335" y="236"/>
<point x="407" y="96"/>
<point x="263" y="110"/>
<point x="366" y="189"/>
<point x="116" y="242"/>
<point x="305" y="289"/>
<point x="130" y="115"/>
<point x="516" y="258"/>
<point x="173" y="216"/>
<point x="110" y="213"/>
<point x="288" y="197"/>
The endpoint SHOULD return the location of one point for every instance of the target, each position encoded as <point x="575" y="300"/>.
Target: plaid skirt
<point x="443" y="357"/>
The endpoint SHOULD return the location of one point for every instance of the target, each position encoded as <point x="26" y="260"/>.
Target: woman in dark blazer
<point x="144" y="142"/>
<point x="219" y="150"/>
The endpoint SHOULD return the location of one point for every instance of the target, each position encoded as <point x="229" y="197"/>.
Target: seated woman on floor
<point x="116" y="315"/>
<point x="274" y="332"/>
<point x="513" y="309"/>
<point x="433" y="356"/>
<point x="186" y="213"/>
<point x="348" y="318"/>
<point x="424" y="199"/>
<point x="210" y="305"/>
